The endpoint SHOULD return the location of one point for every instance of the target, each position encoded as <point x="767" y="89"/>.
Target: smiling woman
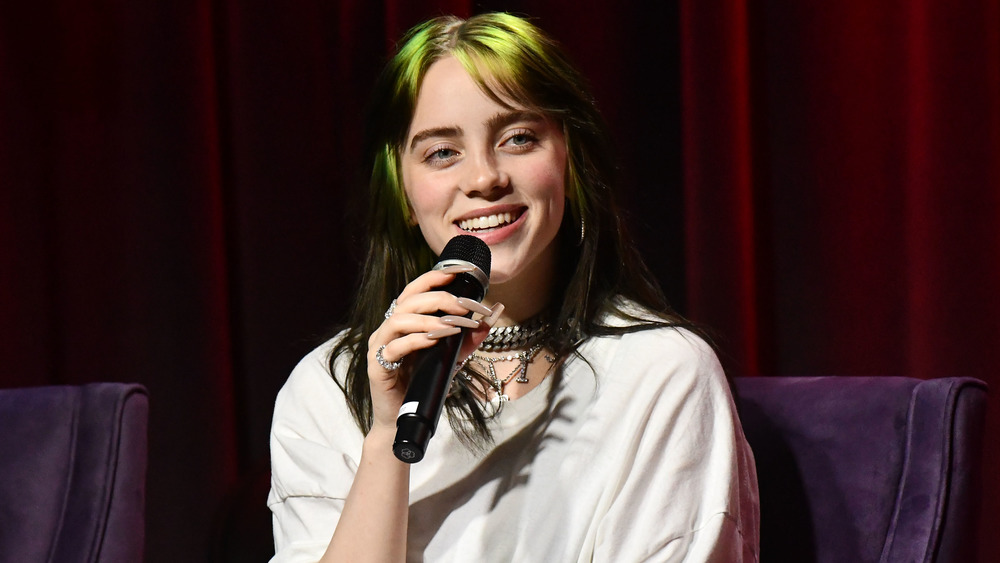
<point x="587" y="422"/>
<point x="491" y="162"/>
<point x="473" y="160"/>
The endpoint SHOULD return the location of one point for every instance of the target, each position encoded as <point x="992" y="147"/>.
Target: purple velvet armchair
<point x="865" y="468"/>
<point x="72" y="473"/>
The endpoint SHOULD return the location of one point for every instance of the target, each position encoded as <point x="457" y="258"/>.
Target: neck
<point x="526" y="295"/>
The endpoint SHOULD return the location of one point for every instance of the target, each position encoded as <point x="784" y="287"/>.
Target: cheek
<point x="422" y="200"/>
<point x="549" y="180"/>
<point x="556" y="172"/>
<point x="427" y="205"/>
<point x="416" y="193"/>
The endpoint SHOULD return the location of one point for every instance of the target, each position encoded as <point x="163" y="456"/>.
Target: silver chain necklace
<point x="503" y="338"/>
<point x="527" y="336"/>
<point x="520" y="371"/>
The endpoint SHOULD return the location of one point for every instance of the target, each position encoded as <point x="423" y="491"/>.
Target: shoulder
<point x="685" y="435"/>
<point x="662" y="369"/>
<point x="310" y="372"/>
<point x="664" y="348"/>
<point x="673" y="345"/>
<point x="314" y="440"/>
<point x="310" y="401"/>
<point x="315" y="449"/>
<point x="658" y="362"/>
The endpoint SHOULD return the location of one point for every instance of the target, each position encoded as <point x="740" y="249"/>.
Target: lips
<point x="488" y="222"/>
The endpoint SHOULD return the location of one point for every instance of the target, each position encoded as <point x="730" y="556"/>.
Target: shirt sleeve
<point x="687" y="487"/>
<point x="719" y="540"/>
<point x="315" y="448"/>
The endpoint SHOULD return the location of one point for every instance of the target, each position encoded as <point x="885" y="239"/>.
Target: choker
<point x="503" y="338"/>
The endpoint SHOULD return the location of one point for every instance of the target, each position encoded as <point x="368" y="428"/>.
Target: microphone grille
<point x="469" y="249"/>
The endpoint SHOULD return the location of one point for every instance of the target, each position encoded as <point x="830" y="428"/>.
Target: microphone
<point x="434" y="367"/>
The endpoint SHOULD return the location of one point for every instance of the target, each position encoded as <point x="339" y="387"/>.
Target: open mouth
<point x="488" y="222"/>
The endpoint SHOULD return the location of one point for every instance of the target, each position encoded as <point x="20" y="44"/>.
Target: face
<point x="472" y="166"/>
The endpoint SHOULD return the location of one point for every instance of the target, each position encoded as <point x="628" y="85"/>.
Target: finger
<point x="479" y="329"/>
<point x="442" y="332"/>
<point x="498" y="310"/>
<point x="408" y="323"/>
<point x="402" y="324"/>
<point x="456" y="269"/>
<point x="385" y="358"/>
<point x="429" y="303"/>
<point x="476" y="336"/>
<point x="464" y="322"/>
<point x="408" y="342"/>
<point x="474" y="306"/>
<point x="432" y="279"/>
<point x="400" y="348"/>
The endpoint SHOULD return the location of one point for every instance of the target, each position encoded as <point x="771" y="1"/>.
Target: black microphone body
<point x="434" y="367"/>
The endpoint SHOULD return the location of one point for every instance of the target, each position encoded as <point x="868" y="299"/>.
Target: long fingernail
<point x="442" y="332"/>
<point x="492" y="319"/>
<point x="456" y="269"/>
<point x="475" y="306"/>
<point x="455" y="320"/>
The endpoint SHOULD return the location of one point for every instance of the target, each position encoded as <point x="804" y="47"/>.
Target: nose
<point x="485" y="177"/>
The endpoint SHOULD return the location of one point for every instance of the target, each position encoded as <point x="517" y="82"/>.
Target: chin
<point x="504" y="271"/>
<point x="498" y="278"/>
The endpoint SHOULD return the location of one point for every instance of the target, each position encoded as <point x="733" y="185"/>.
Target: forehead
<point x="449" y="95"/>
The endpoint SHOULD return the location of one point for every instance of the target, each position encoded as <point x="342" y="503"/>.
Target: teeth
<point x="485" y="222"/>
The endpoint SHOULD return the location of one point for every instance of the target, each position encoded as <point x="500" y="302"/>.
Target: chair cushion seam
<point x="947" y="416"/>
<point x="114" y="451"/>
<point x="68" y="480"/>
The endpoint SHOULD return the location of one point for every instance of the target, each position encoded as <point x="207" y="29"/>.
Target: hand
<point x="414" y="326"/>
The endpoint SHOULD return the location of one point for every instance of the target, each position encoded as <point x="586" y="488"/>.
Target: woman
<point x="604" y="431"/>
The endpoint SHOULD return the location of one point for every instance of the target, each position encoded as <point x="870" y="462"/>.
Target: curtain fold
<point x="116" y="258"/>
<point x="722" y="200"/>
<point x="848" y="226"/>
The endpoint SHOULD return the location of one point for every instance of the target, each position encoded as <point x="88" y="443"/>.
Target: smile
<point x="487" y="222"/>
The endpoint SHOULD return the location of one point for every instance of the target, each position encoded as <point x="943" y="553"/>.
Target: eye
<point x="440" y="155"/>
<point x="520" y="140"/>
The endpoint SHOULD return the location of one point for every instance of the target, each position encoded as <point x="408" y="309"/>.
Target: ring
<point x="389" y="366"/>
<point x="388" y="312"/>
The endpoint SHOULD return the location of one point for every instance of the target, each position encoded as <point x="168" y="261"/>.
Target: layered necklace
<point x="527" y="337"/>
<point x="513" y="337"/>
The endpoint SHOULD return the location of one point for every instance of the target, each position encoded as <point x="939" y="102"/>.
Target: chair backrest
<point x="73" y="473"/>
<point x="865" y="468"/>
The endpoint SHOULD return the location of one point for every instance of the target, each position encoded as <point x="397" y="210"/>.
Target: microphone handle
<point x="433" y="371"/>
<point x="425" y="398"/>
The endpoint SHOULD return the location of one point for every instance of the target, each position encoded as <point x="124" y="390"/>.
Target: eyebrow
<point x="498" y="121"/>
<point x="501" y="120"/>
<point x="454" y="131"/>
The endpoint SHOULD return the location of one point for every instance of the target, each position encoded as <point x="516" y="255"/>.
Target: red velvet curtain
<point x="178" y="187"/>
<point x="842" y="183"/>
